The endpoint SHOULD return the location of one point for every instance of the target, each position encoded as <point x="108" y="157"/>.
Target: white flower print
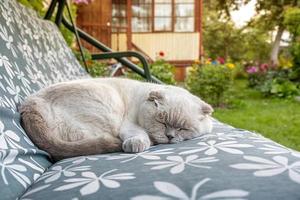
<point x="8" y="39"/>
<point x="35" y="190"/>
<point x="9" y="103"/>
<point x="264" y="167"/>
<point x="7" y="159"/>
<point x="31" y="74"/>
<point x="91" y="183"/>
<point x="7" y="15"/>
<point x="8" y="138"/>
<point x="172" y="191"/>
<point x="258" y="138"/>
<point x="7" y="65"/>
<point x="57" y="171"/>
<point x="177" y="163"/>
<point x="211" y="147"/>
<point x="91" y="158"/>
<point x="38" y="56"/>
<point x="149" y="155"/>
<point x="25" y="49"/>
<point x="3" y="103"/>
<point x="13" y="90"/>
<point x="278" y="149"/>
<point x="221" y="136"/>
<point x="21" y="76"/>
<point x="1" y="85"/>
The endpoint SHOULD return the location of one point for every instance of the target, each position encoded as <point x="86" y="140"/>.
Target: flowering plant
<point x="230" y="65"/>
<point x="210" y="82"/>
<point x="252" y="70"/>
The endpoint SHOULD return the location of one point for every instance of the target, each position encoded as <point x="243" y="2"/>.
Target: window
<point x="155" y="15"/>
<point x="163" y="15"/>
<point x="141" y="15"/>
<point x="119" y="21"/>
<point x="184" y="16"/>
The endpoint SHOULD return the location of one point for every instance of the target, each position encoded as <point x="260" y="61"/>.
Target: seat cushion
<point x="228" y="164"/>
<point x="33" y="54"/>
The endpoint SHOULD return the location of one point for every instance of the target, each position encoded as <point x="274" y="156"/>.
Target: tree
<point x="292" y="23"/>
<point x="223" y="39"/>
<point x="271" y="17"/>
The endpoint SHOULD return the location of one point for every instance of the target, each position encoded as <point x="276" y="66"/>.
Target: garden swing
<point x="107" y="52"/>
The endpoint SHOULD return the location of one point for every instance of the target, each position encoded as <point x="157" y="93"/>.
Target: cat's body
<point x="103" y="115"/>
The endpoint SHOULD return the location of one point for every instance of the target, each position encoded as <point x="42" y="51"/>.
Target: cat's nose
<point x="170" y="134"/>
<point x="170" y="137"/>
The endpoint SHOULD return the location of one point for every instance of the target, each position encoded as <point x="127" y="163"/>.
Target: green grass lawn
<point x="277" y="119"/>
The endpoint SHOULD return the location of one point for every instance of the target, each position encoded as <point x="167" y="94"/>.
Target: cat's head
<point x="171" y="115"/>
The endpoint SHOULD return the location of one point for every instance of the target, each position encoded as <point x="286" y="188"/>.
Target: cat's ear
<point x="206" y="109"/>
<point x="156" y="97"/>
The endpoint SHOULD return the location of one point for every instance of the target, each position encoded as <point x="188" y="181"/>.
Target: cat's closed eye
<point x="181" y="129"/>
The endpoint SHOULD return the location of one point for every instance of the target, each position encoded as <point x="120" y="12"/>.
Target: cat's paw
<point x="135" y="144"/>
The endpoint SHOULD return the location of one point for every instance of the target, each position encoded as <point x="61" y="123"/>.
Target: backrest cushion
<point x="33" y="54"/>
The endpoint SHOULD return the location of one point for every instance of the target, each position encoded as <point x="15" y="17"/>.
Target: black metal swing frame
<point x="107" y="52"/>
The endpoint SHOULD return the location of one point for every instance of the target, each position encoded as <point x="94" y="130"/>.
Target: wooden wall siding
<point x="176" y="46"/>
<point x="95" y="19"/>
<point x="119" y="42"/>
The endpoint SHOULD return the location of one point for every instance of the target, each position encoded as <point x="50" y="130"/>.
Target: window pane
<point x="118" y="10"/>
<point x="114" y="10"/>
<point x="163" y="1"/>
<point x="143" y="10"/>
<point x="163" y="10"/>
<point x="115" y="21"/>
<point x="184" y="10"/>
<point x="141" y="1"/>
<point x="141" y="24"/>
<point x="122" y="10"/>
<point x="185" y="1"/>
<point x="162" y="24"/>
<point x="185" y="24"/>
<point x="123" y="22"/>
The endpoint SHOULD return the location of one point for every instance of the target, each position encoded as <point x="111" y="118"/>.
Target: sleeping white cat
<point x="103" y="115"/>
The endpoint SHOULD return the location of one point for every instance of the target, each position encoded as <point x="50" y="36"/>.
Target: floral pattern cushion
<point x="228" y="164"/>
<point x="33" y="54"/>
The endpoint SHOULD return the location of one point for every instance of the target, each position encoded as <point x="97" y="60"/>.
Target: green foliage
<point x="237" y="44"/>
<point x="67" y="34"/>
<point x="292" y="22"/>
<point x="161" y="69"/>
<point x="255" y="80"/>
<point x="275" y="118"/>
<point x="37" y="5"/>
<point x="40" y="8"/>
<point x="96" y="68"/>
<point x="210" y="82"/>
<point x="277" y="83"/>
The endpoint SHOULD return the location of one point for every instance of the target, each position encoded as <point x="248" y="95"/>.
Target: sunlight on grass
<point x="277" y="119"/>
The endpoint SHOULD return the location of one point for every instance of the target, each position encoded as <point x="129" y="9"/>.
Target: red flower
<point x="161" y="54"/>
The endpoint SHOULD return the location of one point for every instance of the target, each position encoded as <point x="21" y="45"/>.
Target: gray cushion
<point x="33" y="54"/>
<point x="227" y="164"/>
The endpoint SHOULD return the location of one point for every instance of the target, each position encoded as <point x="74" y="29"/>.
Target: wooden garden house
<point x="149" y="26"/>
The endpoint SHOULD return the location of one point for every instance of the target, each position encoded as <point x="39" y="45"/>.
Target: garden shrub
<point x="273" y="81"/>
<point x="39" y="7"/>
<point x="277" y="83"/>
<point x="95" y="68"/>
<point x="210" y="82"/>
<point x="161" y="69"/>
